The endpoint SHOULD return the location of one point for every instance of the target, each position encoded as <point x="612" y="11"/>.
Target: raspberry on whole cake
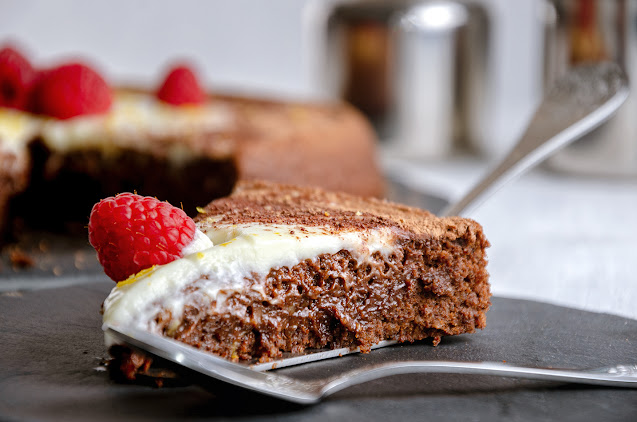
<point x="292" y="268"/>
<point x="181" y="87"/>
<point x="16" y="79"/>
<point x="71" y="90"/>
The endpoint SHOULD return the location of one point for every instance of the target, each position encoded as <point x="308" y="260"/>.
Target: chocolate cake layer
<point x="331" y="147"/>
<point x="13" y="179"/>
<point x="336" y="301"/>
<point x="81" y="178"/>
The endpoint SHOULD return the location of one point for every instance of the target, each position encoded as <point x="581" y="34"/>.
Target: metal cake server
<point x="580" y="101"/>
<point x="307" y="392"/>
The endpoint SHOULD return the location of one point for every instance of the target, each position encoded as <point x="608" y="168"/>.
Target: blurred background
<point x="273" y="47"/>
<point x="449" y="85"/>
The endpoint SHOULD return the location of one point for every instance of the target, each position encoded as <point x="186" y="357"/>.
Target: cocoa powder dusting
<point x="271" y="203"/>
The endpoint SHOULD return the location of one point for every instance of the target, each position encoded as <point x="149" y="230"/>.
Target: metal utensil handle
<point x="578" y="102"/>
<point x="618" y="376"/>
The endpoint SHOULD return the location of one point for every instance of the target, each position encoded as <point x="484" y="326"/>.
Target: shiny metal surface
<point x="311" y="391"/>
<point x="578" y="102"/>
<point x="417" y="68"/>
<point x="591" y="31"/>
<point x="290" y="359"/>
<point x="426" y="42"/>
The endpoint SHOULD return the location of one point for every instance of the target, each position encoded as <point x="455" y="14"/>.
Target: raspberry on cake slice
<point x="132" y="233"/>
<point x="294" y="268"/>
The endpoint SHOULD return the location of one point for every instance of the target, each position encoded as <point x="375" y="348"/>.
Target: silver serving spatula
<point x="312" y="391"/>
<point x="577" y="103"/>
<point x="580" y="101"/>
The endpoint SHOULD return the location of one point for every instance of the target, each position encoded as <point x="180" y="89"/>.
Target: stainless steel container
<point x="418" y="69"/>
<point x="592" y="30"/>
<point x="426" y="78"/>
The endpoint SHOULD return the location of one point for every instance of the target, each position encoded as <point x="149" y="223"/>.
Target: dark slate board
<point x="51" y="345"/>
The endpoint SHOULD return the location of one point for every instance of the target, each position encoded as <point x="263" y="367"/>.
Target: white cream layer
<point x="240" y="252"/>
<point x="135" y="117"/>
<point x="17" y="128"/>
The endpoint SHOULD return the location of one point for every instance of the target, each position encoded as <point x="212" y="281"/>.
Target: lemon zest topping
<point x="133" y="278"/>
<point x="200" y="210"/>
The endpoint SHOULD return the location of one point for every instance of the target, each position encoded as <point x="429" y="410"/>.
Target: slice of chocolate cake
<point x="294" y="268"/>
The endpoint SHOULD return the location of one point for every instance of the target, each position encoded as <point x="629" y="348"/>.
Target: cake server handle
<point x="582" y="99"/>
<point x="615" y="376"/>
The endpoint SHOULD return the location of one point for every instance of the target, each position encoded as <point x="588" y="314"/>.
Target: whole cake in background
<point x="276" y="268"/>
<point x="68" y="138"/>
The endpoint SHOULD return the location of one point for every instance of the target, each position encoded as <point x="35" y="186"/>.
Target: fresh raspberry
<point x="132" y="232"/>
<point x="16" y="79"/>
<point x="71" y="90"/>
<point x="181" y="87"/>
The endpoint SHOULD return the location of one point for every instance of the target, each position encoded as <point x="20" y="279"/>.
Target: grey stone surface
<point x="52" y="349"/>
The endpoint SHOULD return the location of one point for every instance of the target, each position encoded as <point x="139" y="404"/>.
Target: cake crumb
<point x="20" y="259"/>
<point x="43" y="246"/>
<point x="80" y="260"/>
